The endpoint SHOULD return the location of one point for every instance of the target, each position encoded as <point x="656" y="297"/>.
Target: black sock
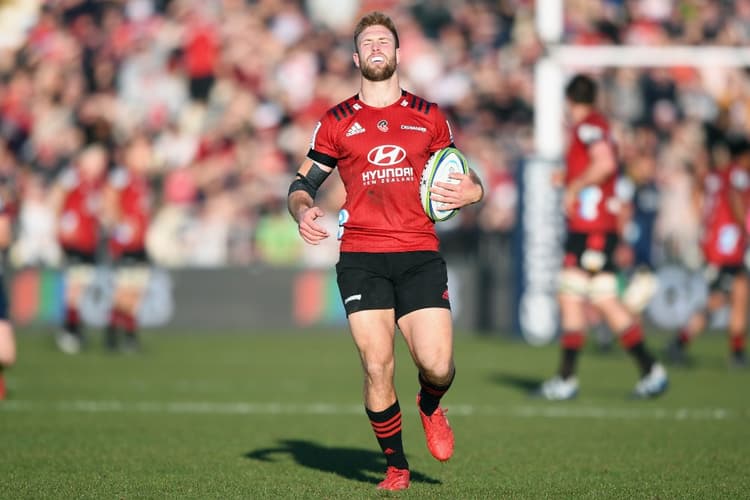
<point x="568" y="362"/>
<point x="644" y="358"/>
<point x="73" y="327"/>
<point x="571" y="342"/>
<point x="737" y="345"/>
<point x="430" y="394"/>
<point x="111" y="335"/>
<point x="387" y="427"/>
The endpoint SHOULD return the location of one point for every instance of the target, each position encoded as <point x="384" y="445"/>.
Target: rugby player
<point x="390" y="271"/>
<point x="7" y="334"/>
<point x="724" y="203"/>
<point x="76" y="198"/>
<point x="588" y="272"/>
<point x="127" y="214"/>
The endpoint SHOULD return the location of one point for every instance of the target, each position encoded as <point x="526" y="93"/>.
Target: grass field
<point x="280" y="416"/>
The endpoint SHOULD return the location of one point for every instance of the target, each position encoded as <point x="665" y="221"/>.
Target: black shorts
<point x="136" y="258"/>
<point x="404" y="281"/>
<point x="591" y="252"/>
<point x="200" y="87"/>
<point x="721" y="278"/>
<point x="3" y="301"/>
<point x="77" y="257"/>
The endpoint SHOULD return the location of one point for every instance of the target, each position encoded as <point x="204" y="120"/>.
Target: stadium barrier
<point x="254" y="298"/>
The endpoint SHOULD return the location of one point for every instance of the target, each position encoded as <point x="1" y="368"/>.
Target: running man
<point x="390" y="272"/>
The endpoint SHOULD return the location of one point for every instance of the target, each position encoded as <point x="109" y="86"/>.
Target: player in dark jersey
<point x="77" y="200"/>
<point x="7" y="335"/>
<point x="588" y="272"/>
<point x="641" y="198"/>
<point x="390" y="272"/>
<point x="127" y="212"/>
<point x="725" y="204"/>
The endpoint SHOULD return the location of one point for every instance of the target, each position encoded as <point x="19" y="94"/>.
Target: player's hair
<point x="581" y="89"/>
<point x="375" y="19"/>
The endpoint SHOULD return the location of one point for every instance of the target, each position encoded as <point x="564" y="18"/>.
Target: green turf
<point x="280" y="416"/>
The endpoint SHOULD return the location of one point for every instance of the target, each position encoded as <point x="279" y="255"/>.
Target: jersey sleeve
<point x="625" y="189"/>
<point x="443" y="135"/>
<point x="740" y="180"/>
<point x="591" y="131"/>
<point x="323" y="143"/>
<point x="68" y="179"/>
<point x="118" y="178"/>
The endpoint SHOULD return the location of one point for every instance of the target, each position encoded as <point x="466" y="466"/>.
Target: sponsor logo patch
<point x="386" y="155"/>
<point x="414" y="127"/>
<point x="355" y="129"/>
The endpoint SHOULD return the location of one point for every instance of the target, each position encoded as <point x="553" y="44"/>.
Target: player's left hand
<point x="459" y="193"/>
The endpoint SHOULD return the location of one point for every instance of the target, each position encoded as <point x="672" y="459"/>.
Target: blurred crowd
<point x="223" y="96"/>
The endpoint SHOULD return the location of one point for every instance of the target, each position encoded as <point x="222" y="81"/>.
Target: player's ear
<point x="398" y="55"/>
<point x="355" y="58"/>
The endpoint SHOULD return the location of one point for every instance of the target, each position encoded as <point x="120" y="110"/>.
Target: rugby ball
<point x="438" y="168"/>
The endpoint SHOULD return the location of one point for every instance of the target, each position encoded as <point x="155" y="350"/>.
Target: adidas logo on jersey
<point x="355" y="129"/>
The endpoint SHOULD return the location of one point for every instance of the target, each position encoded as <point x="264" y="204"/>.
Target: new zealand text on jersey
<point x="387" y="175"/>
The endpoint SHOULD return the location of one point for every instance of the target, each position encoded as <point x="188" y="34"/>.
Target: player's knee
<point x="573" y="283"/>
<point x="603" y="287"/>
<point x="378" y="368"/>
<point x="7" y="358"/>
<point x="7" y="350"/>
<point x="439" y="372"/>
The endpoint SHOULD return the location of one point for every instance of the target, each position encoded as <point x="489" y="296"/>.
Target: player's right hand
<point x="311" y="232"/>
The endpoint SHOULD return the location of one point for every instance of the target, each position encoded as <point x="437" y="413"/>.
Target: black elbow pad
<point x="300" y="183"/>
<point x="309" y="183"/>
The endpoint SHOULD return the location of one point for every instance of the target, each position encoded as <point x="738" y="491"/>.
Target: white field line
<point x="560" y="411"/>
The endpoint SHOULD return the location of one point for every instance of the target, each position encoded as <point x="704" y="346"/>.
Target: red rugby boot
<point x="438" y="433"/>
<point x="395" y="479"/>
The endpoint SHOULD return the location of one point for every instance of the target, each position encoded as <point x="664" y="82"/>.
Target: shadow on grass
<point x="356" y="464"/>
<point x="525" y="384"/>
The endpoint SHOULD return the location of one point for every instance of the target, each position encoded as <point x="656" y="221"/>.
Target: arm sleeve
<point x="443" y="135"/>
<point x="323" y="143"/>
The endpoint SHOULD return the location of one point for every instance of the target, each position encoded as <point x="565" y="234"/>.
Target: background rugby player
<point x="589" y="273"/>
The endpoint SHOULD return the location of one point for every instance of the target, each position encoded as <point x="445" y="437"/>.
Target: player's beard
<point x="379" y="73"/>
